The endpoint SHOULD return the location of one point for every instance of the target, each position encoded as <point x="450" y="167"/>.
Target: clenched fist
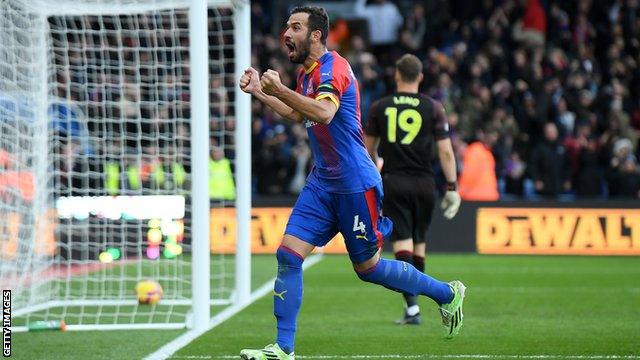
<point x="270" y="82"/>
<point x="250" y="81"/>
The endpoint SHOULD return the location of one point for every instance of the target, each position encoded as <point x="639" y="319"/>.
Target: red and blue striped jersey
<point x="341" y="161"/>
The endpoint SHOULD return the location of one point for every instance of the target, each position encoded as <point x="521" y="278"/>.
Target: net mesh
<point x="115" y="159"/>
<point x="26" y="246"/>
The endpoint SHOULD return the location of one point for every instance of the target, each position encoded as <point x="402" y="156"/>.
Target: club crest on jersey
<point x="310" y="89"/>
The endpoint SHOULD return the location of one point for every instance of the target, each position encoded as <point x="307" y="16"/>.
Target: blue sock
<point x="287" y="296"/>
<point x="403" y="277"/>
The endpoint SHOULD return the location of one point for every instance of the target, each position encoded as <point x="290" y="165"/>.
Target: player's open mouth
<point x="290" y="46"/>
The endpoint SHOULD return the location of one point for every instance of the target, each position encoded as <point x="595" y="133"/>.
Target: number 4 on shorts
<point x="358" y="225"/>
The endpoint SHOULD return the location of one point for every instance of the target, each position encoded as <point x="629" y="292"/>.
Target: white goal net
<point x="96" y="159"/>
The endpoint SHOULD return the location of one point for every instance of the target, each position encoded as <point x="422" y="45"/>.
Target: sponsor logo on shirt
<point x="308" y="123"/>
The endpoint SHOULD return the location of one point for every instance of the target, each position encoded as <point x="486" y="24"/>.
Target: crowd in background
<point x="552" y="88"/>
<point x="119" y="115"/>
<point x="549" y="89"/>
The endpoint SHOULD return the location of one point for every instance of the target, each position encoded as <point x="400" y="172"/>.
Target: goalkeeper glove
<point x="450" y="204"/>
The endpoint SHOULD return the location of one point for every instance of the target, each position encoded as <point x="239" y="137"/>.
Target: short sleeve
<point x="440" y="121"/>
<point x="335" y="78"/>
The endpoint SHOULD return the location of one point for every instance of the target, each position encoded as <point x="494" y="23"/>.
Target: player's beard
<point x="301" y="52"/>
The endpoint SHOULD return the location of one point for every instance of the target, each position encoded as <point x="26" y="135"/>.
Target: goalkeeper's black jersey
<point x="407" y="125"/>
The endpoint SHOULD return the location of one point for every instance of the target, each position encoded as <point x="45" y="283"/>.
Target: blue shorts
<point x="319" y="215"/>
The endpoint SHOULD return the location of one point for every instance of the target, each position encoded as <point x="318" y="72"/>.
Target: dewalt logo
<point x="555" y="231"/>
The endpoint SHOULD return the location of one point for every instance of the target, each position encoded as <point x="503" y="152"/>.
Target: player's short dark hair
<point x="409" y="67"/>
<point x="318" y="20"/>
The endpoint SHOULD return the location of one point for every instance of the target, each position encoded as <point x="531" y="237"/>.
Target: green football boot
<point x="452" y="312"/>
<point x="270" y="352"/>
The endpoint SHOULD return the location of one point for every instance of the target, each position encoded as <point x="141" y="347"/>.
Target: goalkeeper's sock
<point x="402" y="277"/>
<point x="287" y="296"/>
<point x="411" y="300"/>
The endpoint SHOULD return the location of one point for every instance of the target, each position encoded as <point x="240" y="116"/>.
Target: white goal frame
<point x="199" y="82"/>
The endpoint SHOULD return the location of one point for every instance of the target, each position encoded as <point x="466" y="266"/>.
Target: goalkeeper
<point x="343" y="193"/>
<point x="405" y="125"/>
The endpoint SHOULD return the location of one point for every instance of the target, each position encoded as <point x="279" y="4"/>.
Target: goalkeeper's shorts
<point x="409" y="203"/>
<point x="319" y="215"/>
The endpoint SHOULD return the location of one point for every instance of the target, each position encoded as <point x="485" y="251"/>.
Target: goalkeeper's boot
<point x="409" y="319"/>
<point x="452" y="312"/>
<point x="270" y="352"/>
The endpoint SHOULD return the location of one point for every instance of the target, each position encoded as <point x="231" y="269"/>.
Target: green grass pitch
<point x="516" y="307"/>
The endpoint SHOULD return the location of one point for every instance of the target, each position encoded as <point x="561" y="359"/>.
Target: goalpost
<point x="110" y="113"/>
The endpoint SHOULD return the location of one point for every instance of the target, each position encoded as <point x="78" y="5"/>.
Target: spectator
<point x="625" y="179"/>
<point x="221" y="185"/>
<point x="559" y="29"/>
<point x="371" y="88"/>
<point x="515" y="170"/>
<point x="512" y="65"/>
<point x="531" y="30"/>
<point x="549" y="164"/>
<point x="622" y="148"/>
<point x="302" y="158"/>
<point x="588" y="180"/>
<point x="384" y="20"/>
<point x="564" y="118"/>
<point x="478" y="177"/>
<point x="277" y="162"/>
<point x="583" y="31"/>
<point x="132" y="168"/>
<point x="414" y="29"/>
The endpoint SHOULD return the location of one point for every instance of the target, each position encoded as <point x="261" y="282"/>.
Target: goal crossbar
<point x="122" y="7"/>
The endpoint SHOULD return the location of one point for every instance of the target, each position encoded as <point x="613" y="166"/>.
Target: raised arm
<point x="279" y="107"/>
<point x="250" y="83"/>
<point x="320" y="110"/>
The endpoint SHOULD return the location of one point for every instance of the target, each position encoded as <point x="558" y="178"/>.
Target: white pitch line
<point x="183" y="340"/>
<point x="460" y="356"/>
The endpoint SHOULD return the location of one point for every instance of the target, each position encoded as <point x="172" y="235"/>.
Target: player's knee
<point x="364" y="276"/>
<point x="367" y="274"/>
<point x="288" y="258"/>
